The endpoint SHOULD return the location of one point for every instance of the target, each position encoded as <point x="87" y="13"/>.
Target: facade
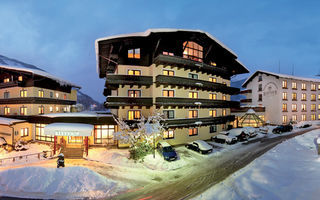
<point x="183" y="73"/>
<point x="285" y="98"/>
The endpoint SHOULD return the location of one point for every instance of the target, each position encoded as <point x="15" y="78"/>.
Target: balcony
<point x="195" y="103"/>
<point x="194" y="122"/>
<point x="246" y="101"/>
<point x="196" y="84"/>
<point x="115" y="101"/>
<point x="36" y="100"/>
<point x="192" y="65"/>
<point x="114" y="80"/>
<point x="246" y="92"/>
<point x="10" y="84"/>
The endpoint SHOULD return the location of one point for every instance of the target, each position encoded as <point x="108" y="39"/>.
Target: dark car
<point x="200" y="146"/>
<point x="167" y="151"/>
<point x="282" y="129"/>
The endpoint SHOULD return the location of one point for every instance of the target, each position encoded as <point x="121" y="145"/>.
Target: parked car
<point x="223" y="137"/>
<point x="252" y="132"/>
<point x="199" y="146"/>
<point x="305" y="126"/>
<point x="264" y="130"/>
<point x="166" y="150"/>
<point x="239" y="134"/>
<point x="282" y="129"/>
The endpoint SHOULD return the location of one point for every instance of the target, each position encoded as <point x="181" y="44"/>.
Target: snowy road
<point x="198" y="178"/>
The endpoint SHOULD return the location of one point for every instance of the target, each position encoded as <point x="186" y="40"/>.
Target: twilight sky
<point x="58" y="36"/>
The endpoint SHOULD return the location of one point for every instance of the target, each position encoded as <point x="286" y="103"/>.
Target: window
<point x="313" y="107"/>
<point x="284" y="84"/>
<point x="213" y="63"/>
<point x="260" y="97"/>
<point x="261" y="117"/>
<point x="318" y="96"/>
<point x="168" y="134"/>
<point x="303" y="86"/>
<point x="168" y="114"/>
<point x="23" y="93"/>
<point x="23" y="110"/>
<point x="224" y="112"/>
<point x="51" y="94"/>
<point x="167" y="53"/>
<point x="260" y="78"/>
<point x="303" y="97"/>
<point x="64" y="96"/>
<point x="319" y="87"/>
<point x="6" y="110"/>
<point x="193" y="131"/>
<point x="193" y="51"/>
<point x="193" y="95"/>
<point x="303" y="117"/>
<point x="260" y="87"/>
<point x="40" y="133"/>
<point x="57" y="95"/>
<point x="75" y="139"/>
<point x="319" y="107"/>
<point x="313" y="97"/>
<point x="168" y="93"/>
<point x="319" y="117"/>
<point x="294" y="107"/>
<point x="20" y="78"/>
<point x="134" y="114"/>
<point x="213" y="128"/>
<point x="294" y="117"/>
<point x="303" y="107"/>
<point x="224" y="97"/>
<point x="41" y="110"/>
<point x="51" y="109"/>
<point x="313" y="117"/>
<point x="284" y="107"/>
<point x="284" y="119"/>
<point x="313" y="86"/>
<point x="284" y="96"/>
<point x="193" y="76"/>
<point x="57" y="109"/>
<point x="212" y="79"/>
<point x="40" y="93"/>
<point x="224" y="83"/>
<point x="134" y="72"/>
<point x="168" y="72"/>
<point x="212" y="113"/>
<point x="6" y="95"/>
<point x="6" y="80"/>
<point x="294" y="96"/>
<point x="103" y="134"/>
<point x="24" y="132"/>
<point x="294" y="85"/>
<point x="193" y="114"/>
<point x="134" y="93"/>
<point x="213" y="96"/>
<point x="134" y="53"/>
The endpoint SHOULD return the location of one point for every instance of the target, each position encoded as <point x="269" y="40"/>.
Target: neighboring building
<point x="285" y="98"/>
<point x="183" y="73"/>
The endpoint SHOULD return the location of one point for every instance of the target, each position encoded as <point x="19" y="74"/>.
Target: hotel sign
<point x="67" y="133"/>
<point x="68" y="129"/>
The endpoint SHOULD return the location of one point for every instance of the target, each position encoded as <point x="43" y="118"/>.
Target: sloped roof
<point x="10" y="121"/>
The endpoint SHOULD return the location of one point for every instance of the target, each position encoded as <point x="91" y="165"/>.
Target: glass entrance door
<point x="103" y="134"/>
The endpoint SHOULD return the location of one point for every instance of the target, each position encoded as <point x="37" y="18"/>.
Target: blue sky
<point x="58" y="36"/>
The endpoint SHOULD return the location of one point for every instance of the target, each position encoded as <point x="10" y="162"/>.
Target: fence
<point x="26" y="158"/>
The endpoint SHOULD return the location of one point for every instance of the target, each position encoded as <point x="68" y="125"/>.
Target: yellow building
<point x="183" y="73"/>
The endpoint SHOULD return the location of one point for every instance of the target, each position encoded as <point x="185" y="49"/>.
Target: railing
<point x="9" y="84"/>
<point x="115" y="101"/>
<point x="26" y="158"/>
<point x="114" y="80"/>
<point x="193" y="122"/>
<point x="194" y="103"/>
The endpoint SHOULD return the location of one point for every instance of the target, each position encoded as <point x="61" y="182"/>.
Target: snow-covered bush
<point x="140" y="150"/>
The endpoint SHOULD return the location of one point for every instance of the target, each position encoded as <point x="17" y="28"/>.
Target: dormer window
<point x="134" y="53"/>
<point x="193" y="51"/>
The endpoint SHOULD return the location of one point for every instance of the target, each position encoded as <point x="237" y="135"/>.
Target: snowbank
<point x="288" y="171"/>
<point x="63" y="183"/>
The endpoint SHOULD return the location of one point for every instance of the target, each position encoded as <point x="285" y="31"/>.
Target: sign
<point x="68" y="129"/>
<point x="67" y="133"/>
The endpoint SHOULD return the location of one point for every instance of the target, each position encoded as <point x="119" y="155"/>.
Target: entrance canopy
<point x="68" y="129"/>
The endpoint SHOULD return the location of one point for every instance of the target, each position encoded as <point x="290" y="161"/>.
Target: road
<point x="206" y="174"/>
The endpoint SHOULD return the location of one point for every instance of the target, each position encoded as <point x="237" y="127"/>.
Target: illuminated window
<point x="20" y="78"/>
<point x="6" y="95"/>
<point x="284" y="119"/>
<point x="168" y="72"/>
<point x="284" y="107"/>
<point x="303" y="117"/>
<point x="313" y="86"/>
<point x="23" y="93"/>
<point x="319" y="117"/>
<point x="318" y="96"/>
<point x="213" y="128"/>
<point x="23" y="110"/>
<point x="224" y="112"/>
<point x="41" y="109"/>
<point x="294" y="107"/>
<point x="284" y="96"/>
<point x="260" y="97"/>
<point x="168" y="93"/>
<point x="294" y="85"/>
<point x="103" y="134"/>
<point x="212" y="79"/>
<point x="313" y="107"/>
<point x="134" y="93"/>
<point x="224" y="97"/>
<point x="167" y="53"/>
<point x="75" y="139"/>
<point x="134" y="72"/>
<point x="224" y="83"/>
<point x="51" y="109"/>
<point x="213" y="96"/>
<point x="284" y="84"/>
<point x="193" y="51"/>
<point x="6" y="80"/>
<point x="313" y="117"/>
<point x="168" y="114"/>
<point x="57" y="109"/>
<point x="193" y="95"/>
<point x="168" y="134"/>
<point x="57" y="95"/>
<point x="193" y="131"/>
<point x="40" y="93"/>
<point x="134" y="114"/>
<point x="212" y="113"/>
<point x="313" y="97"/>
<point x="134" y="53"/>
<point x="319" y="87"/>
<point x="303" y="107"/>
<point x="303" y="97"/>
<point x="261" y="117"/>
<point x="193" y="114"/>
<point x="40" y="133"/>
<point x="294" y="96"/>
<point x="193" y="76"/>
<point x="303" y="86"/>
<point x="6" y="110"/>
<point x="294" y="117"/>
<point x="319" y="107"/>
<point x="24" y="132"/>
<point x="213" y="63"/>
<point x="64" y="96"/>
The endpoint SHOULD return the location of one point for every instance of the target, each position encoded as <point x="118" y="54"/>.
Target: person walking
<point x="60" y="161"/>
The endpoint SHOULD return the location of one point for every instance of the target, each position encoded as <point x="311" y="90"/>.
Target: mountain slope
<point x="89" y="103"/>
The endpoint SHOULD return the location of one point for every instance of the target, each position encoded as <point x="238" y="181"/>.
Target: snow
<point x="49" y="183"/>
<point x="68" y="129"/>
<point x="250" y="111"/>
<point x="288" y="171"/>
<point x="79" y="114"/>
<point x="9" y="121"/>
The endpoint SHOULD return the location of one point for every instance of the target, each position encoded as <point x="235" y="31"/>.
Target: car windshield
<point x="167" y="149"/>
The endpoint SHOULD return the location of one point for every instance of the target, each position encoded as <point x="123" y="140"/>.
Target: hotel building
<point x="285" y="98"/>
<point x="183" y="73"/>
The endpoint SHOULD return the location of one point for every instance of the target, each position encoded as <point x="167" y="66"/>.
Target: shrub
<point x="139" y="151"/>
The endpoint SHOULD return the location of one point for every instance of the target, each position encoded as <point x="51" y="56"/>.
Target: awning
<point x="68" y="129"/>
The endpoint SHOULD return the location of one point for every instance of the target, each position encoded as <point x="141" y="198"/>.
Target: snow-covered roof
<point x="79" y="114"/>
<point x="10" y="121"/>
<point x="278" y="75"/>
<point x="251" y="111"/>
<point x="12" y="64"/>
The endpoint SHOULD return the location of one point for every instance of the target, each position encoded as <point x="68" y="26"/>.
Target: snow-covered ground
<point x="288" y="171"/>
